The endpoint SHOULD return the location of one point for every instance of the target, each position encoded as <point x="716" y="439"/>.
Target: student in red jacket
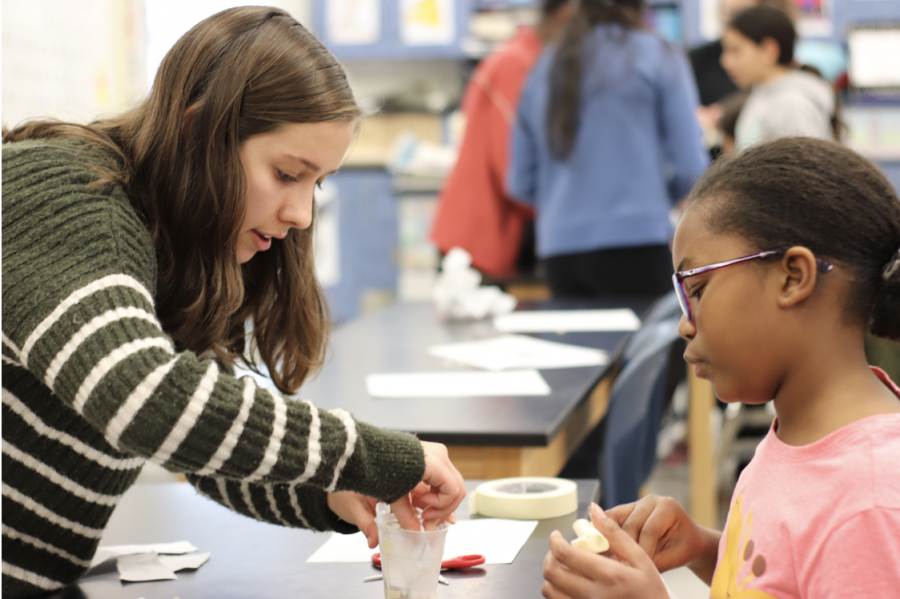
<point x="475" y="212"/>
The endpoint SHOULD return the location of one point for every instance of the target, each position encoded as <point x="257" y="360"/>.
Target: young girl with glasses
<point x="787" y="255"/>
<point x="135" y="249"/>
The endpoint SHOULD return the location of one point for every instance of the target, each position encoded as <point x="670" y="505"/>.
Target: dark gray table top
<point x="254" y="560"/>
<point x="395" y="339"/>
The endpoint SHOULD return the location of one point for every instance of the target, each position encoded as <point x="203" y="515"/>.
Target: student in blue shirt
<point x="605" y="143"/>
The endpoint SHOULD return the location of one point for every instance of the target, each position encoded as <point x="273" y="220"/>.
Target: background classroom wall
<point x="407" y="60"/>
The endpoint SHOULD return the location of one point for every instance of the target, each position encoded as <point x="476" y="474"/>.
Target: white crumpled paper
<point x="458" y="296"/>
<point x="138" y="563"/>
<point x="142" y="567"/>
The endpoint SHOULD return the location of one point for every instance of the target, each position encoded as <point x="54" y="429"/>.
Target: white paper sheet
<point x="143" y="567"/>
<point x="343" y="549"/>
<point x="457" y="384"/>
<point x="567" y="321"/>
<point x="498" y="540"/>
<point x="176" y="563"/>
<point x="110" y="551"/>
<point x="519" y="351"/>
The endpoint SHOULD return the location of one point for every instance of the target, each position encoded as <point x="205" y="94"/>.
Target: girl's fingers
<point x="575" y="572"/>
<point x="636" y="523"/>
<point x="406" y="513"/>
<point x="365" y="519"/>
<point x="620" y="543"/>
<point x="656" y="532"/>
<point x="551" y="592"/>
<point x="589" y="565"/>
<point x="621" y="513"/>
<point x="418" y="492"/>
<point x="447" y="492"/>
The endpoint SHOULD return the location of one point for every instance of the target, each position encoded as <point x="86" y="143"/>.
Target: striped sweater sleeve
<point x="78" y="314"/>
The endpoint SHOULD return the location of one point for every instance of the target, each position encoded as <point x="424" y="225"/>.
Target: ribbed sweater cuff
<point x="386" y="464"/>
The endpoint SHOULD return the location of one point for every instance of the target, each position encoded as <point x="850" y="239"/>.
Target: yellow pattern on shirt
<point x="725" y="583"/>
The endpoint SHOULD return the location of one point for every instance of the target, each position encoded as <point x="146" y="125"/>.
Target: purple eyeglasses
<point x="680" y="276"/>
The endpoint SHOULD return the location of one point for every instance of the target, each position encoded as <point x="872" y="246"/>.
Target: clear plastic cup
<point x="410" y="559"/>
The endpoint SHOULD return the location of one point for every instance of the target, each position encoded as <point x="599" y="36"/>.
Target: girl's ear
<point x="770" y="50"/>
<point x="799" y="274"/>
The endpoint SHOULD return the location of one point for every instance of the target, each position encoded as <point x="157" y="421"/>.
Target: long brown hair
<point x="239" y="73"/>
<point x="564" y="106"/>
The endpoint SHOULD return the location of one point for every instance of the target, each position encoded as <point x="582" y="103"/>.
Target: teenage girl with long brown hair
<point x="134" y="251"/>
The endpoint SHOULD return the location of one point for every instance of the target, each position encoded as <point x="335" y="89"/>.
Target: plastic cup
<point x="410" y="559"/>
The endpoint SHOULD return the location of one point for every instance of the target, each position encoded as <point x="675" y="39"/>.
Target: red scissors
<point x="456" y="563"/>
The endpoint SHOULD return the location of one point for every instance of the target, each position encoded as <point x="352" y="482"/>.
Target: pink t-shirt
<point x="817" y="521"/>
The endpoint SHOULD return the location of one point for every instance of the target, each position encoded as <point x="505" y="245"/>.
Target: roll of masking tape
<point x="525" y="498"/>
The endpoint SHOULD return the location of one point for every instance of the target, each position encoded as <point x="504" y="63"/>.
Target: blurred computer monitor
<point x="665" y="20"/>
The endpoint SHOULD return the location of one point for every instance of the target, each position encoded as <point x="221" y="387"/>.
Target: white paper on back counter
<point x="519" y="351"/>
<point x="567" y="321"/>
<point x="498" y="540"/>
<point x="457" y="384"/>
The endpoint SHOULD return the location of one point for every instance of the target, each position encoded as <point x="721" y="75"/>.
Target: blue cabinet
<point x="367" y="232"/>
<point x="390" y="44"/>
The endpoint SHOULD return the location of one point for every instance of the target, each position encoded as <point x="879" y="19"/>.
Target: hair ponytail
<point x="886" y="311"/>
<point x="564" y="106"/>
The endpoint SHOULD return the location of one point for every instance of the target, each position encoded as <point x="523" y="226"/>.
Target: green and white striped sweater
<point x="93" y="388"/>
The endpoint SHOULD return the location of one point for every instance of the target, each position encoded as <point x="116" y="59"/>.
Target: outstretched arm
<point x="78" y="316"/>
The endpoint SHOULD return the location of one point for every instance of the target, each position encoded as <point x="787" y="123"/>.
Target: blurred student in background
<point x="475" y="212"/>
<point x="713" y="83"/>
<point x="758" y="53"/>
<point x="605" y="142"/>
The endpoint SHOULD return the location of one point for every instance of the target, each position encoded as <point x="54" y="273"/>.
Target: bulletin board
<point x="393" y="29"/>
<point x="71" y="60"/>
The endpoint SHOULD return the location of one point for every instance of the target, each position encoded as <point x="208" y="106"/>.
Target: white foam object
<point x="457" y="293"/>
<point x="589" y="538"/>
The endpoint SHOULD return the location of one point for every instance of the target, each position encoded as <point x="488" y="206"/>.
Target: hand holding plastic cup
<point x="410" y="559"/>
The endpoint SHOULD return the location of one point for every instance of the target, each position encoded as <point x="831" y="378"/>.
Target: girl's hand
<point x="439" y="494"/>
<point x="572" y="573"/>
<point x="667" y="534"/>
<point x="356" y="509"/>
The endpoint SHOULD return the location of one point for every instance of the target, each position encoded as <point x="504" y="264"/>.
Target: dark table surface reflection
<point x="396" y="338"/>
<point x="255" y="560"/>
